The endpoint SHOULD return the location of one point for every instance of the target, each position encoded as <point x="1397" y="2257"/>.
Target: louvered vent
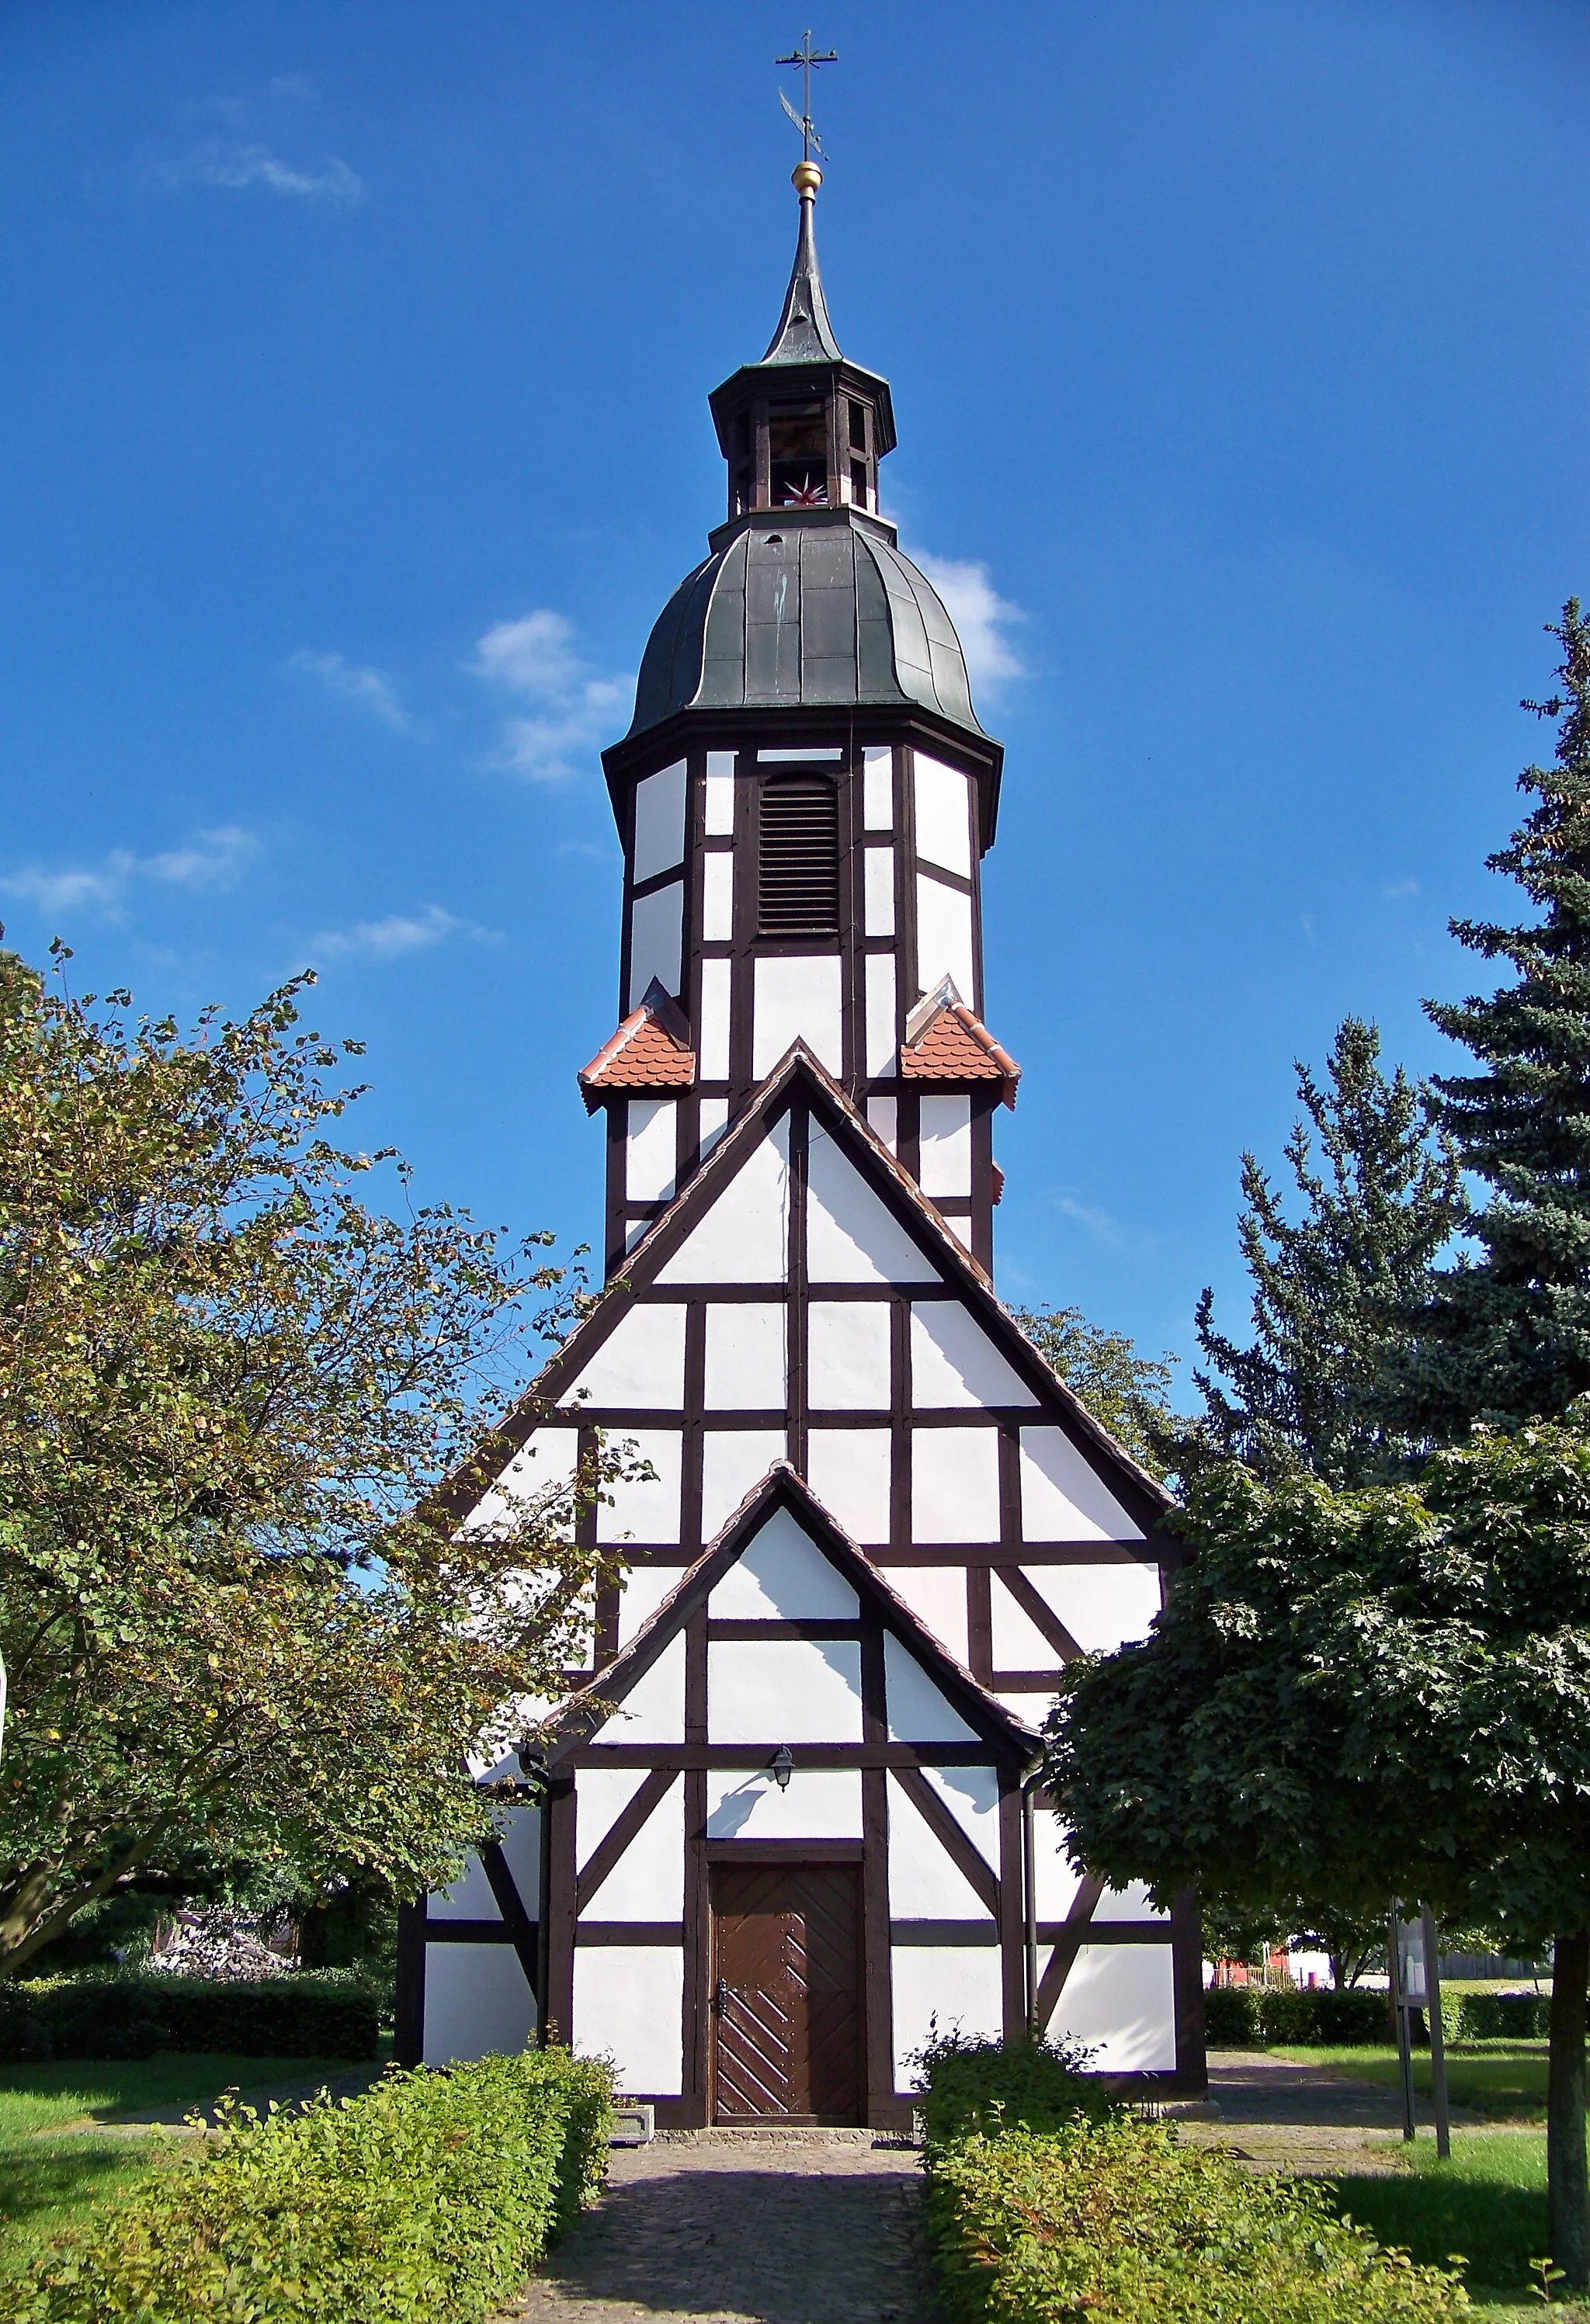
<point x="797" y="868"/>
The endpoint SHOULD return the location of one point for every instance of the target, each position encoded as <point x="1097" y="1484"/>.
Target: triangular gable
<point x="757" y="1143"/>
<point x="661" y="1636"/>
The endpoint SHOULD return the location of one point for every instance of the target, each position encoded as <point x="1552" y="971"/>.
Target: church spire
<point x="805" y="334"/>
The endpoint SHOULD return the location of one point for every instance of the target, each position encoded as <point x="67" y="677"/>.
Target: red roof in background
<point x="955" y="1045"/>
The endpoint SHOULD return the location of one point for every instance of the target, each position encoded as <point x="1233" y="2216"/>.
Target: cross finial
<point x="807" y="59"/>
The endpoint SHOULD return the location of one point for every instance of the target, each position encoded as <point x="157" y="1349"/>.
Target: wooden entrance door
<point x="787" y="1993"/>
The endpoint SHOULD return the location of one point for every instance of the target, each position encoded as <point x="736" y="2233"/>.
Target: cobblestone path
<point x="747" y="2231"/>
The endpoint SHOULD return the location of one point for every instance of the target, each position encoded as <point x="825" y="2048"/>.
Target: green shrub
<point x="969" y="2085"/>
<point x="1496" y="2016"/>
<point x="1245" y="2018"/>
<point x="1231" y="2017"/>
<point x="315" y="2015"/>
<point x="1114" y="2221"/>
<point x="432" y="2195"/>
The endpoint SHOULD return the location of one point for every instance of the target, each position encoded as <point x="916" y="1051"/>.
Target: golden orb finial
<point x="806" y="178"/>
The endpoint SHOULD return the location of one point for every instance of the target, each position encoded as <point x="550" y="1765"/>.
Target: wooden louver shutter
<point x="798" y="863"/>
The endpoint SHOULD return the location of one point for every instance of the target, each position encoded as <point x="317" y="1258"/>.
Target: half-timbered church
<point x="792" y="1823"/>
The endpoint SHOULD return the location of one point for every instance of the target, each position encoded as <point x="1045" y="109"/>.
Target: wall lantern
<point x="783" y="1764"/>
<point x="532" y="1759"/>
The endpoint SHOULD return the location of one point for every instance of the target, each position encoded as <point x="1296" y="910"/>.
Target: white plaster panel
<point x="1018" y="1645"/>
<point x="1055" y="1878"/>
<point x="601" y="1797"/>
<point x="883" y="1115"/>
<point x="972" y="1797"/>
<point x="925" y="1882"/>
<point x="878" y="891"/>
<point x="648" y="1881"/>
<point x="1120" y="2001"/>
<point x="715" y="1115"/>
<point x="847" y="1362"/>
<point x="720" y="820"/>
<point x="880" y="1012"/>
<point x="639" y="1366"/>
<point x="955" y="1484"/>
<point x="784" y="1690"/>
<point x="782" y="1576"/>
<point x="797" y="999"/>
<point x="712" y="1034"/>
<point x="851" y="1238"/>
<point x="946" y="1146"/>
<point x="660" y="821"/>
<point x="816" y="1804"/>
<point x="644" y="1588"/>
<point x="953" y="1362"/>
<point x="650" y="1149"/>
<point x="936" y="1596"/>
<point x="717" y="897"/>
<point x="629" y="2000"/>
<point x="1132" y="1902"/>
<point x="747" y="1355"/>
<point x="944" y="938"/>
<point x="1102" y="1606"/>
<point x="849" y="1471"/>
<point x="635" y="1233"/>
<point x="917" y="1711"/>
<point x="469" y="1898"/>
<point x="477" y="2000"/>
<point x="1063" y="1497"/>
<point x="643" y="1510"/>
<point x="734" y="1459"/>
<point x="654" y="941"/>
<point x="1022" y="1703"/>
<point x="520" y="1843"/>
<point x="544" y="1466"/>
<point x="943" y="817"/>
<point x="745" y="1237"/>
<point x="653" y="1710"/>
<point x="937" y="1987"/>
<point x="877" y="784"/>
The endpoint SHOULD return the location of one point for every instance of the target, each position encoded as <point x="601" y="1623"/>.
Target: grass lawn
<point x="48" y="2183"/>
<point x="1503" y="2080"/>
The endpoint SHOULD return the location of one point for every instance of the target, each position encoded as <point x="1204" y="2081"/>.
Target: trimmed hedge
<point x="1114" y="2221"/>
<point x="308" y="2015"/>
<point x="432" y="2195"/>
<point x="1496" y="2016"/>
<point x="971" y="2085"/>
<point x="1245" y="2018"/>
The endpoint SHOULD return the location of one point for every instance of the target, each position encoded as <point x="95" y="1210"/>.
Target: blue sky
<point x="1239" y="356"/>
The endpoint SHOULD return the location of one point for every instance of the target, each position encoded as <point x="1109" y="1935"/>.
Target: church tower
<point x="789" y="1812"/>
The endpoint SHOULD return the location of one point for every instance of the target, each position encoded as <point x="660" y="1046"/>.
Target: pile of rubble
<point x="224" y="1944"/>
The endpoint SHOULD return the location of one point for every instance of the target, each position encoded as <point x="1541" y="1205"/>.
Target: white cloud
<point x="980" y="617"/>
<point x="215" y="162"/>
<point x="367" y="689"/>
<point x="1395" y="889"/>
<point x="214" y="859"/>
<point x="397" y="934"/>
<point x="571" y="708"/>
<point x="1101" y="1225"/>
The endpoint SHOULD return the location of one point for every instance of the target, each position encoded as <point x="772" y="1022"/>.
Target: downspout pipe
<point x="1030" y="1784"/>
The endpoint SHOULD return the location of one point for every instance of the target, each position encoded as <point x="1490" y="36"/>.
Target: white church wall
<point x="942" y="1986"/>
<point x="955" y="1484"/>
<point x="659" y="822"/>
<point x="650" y="1148"/>
<point x="971" y="1793"/>
<point x="847" y="1355"/>
<point x="783" y="1576"/>
<point x="715" y="1114"/>
<point x="850" y="1471"/>
<point x="818" y="1803"/>
<point x="1102" y="1606"/>
<point x="879" y="970"/>
<point x="655" y="934"/>
<point x="877" y="784"/>
<point x="944" y="828"/>
<point x="477" y="1999"/>
<point x="946" y="1146"/>
<point x="640" y="1366"/>
<point x="797" y="998"/>
<point x="784" y="1690"/>
<point x="745" y="1237"/>
<point x="925" y="1882"/>
<point x="953" y="1361"/>
<point x="1018" y="1645"/>
<point x="603" y="1793"/>
<point x="1132" y="1902"/>
<point x="653" y="1710"/>
<point x="919" y="1711"/>
<point x="469" y="1898"/>
<point x="937" y="1595"/>
<point x="712" y="1031"/>
<point x="883" y="1119"/>
<point x="1121" y="2000"/>
<point x="944" y="938"/>
<point x="734" y="1459"/>
<point x="545" y="1460"/>
<point x="878" y="882"/>
<point x="719" y="803"/>
<point x="1055" y="1878"/>
<point x="648" y="1881"/>
<point x="628" y="2000"/>
<point x="747" y="1355"/>
<point x="1063" y="1497"/>
<point x="644" y="1588"/>
<point x="717" y="898"/>
<point x="644" y="1508"/>
<point x="851" y="1237"/>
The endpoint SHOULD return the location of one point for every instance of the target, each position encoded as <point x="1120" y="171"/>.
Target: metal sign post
<point x="1400" y="2017"/>
<point x="1432" y="1978"/>
<point x="1416" y="1984"/>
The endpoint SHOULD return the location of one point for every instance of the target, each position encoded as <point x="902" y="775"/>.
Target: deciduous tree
<point x="1129" y="1393"/>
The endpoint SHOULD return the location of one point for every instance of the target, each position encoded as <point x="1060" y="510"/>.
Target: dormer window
<point x="798" y="456"/>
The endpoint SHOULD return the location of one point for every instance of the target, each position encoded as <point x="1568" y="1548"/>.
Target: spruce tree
<point x="1506" y="1337"/>
<point x="1381" y="1194"/>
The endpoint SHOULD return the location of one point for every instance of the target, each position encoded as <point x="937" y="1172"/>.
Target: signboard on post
<point x="1416" y="1987"/>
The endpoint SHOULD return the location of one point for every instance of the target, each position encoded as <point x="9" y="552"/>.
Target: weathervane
<point x="806" y="57"/>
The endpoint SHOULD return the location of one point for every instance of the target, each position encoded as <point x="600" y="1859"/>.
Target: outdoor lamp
<point x="783" y="1764"/>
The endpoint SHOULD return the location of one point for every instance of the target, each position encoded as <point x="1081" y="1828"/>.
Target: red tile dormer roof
<point x="651" y="1050"/>
<point x="945" y="1042"/>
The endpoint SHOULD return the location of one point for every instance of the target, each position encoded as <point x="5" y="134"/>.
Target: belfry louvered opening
<point x="797" y="857"/>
